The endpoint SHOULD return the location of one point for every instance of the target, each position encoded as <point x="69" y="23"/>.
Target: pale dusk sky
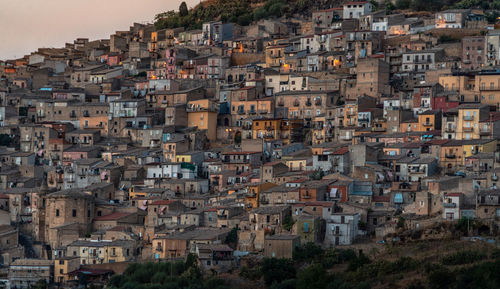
<point x="26" y="25"/>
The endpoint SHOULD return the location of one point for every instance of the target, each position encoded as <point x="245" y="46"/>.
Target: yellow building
<point x="100" y="252"/>
<point x="275" y="56"/>
<point x="296" y="164"/>
<point x="203" y="115"/>
<point x="473" y="147"/>
<point x="429" y="120"/>
<point x="481" y="87"/>
<point x="253" y="194"/>
<point x="252" y="108"/>
<point x="351" y="114"/>
<point x="266" y="128"/>
<point x="63" y="266"/>
<point x="469" y="116"/>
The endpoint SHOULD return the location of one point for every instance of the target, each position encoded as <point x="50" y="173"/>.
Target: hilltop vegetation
<point x="175" y="275"/>
<point x="242" y="12"/>
<point x="315" y="268"/>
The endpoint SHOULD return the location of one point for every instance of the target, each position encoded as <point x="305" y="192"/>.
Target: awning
<point x="398" y="198"/>
<point x="333" y="192"/>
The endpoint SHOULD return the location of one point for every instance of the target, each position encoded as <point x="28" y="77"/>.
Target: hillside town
<point x="344" y="127"/>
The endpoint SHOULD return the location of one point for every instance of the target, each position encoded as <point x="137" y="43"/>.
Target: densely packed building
<point x="154" y="144"/>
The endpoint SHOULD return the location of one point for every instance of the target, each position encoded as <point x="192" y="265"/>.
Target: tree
<point x="41" y="284"/>
<point x="5" y="140"/>
<point x="403" y="4"/>
<point x="237" y="138"/>
<point x="308" y="252"/>
<point x="288" y="223"/>
<point x="183" y="9"/>
<point x="277" y="270"/>
<point x="441" y="278"/>
<point x="401" y="223"/>
<point x="232" y="237"/>
<point x="313" y="277"/>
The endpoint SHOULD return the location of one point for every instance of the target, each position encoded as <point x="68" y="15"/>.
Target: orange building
<point x="203" y="115"/>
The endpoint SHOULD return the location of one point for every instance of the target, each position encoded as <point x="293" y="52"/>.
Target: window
<point x="74" y="213"/>
<point x="57" y="212"/>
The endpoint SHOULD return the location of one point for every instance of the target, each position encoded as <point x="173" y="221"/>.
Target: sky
<point x="26" y="25"/>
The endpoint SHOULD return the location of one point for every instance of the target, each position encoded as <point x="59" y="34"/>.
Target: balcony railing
<point x="450" y="156"/>
<point x="468" y="117"/>
<point x="427" y="124"/>
<point x="468" y="129"/>
<point x="484" y="132"/>
<point x="449" y="129"/>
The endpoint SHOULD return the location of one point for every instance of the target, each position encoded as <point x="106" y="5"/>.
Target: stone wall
<point x="246" y="58"/>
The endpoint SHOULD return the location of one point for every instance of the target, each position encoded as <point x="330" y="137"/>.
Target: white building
<point x="451" y="206"/>
<point x="341" y="228"/>
<point x="356" y="9"/>
<point x="169" y="170"/>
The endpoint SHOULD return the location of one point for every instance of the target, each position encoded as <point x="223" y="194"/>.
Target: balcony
<point x="86" y="114"/>
<point x="449" y="205"/>
<point x="345" y="137"/>
<point x="378" y="129"/>
<point x="450" y="156"/>
<point x="468" y="117"/>
<point x="240" y="111"/>
<point x="427" y="124"/>
<point x="281" y="103"/>
<point x="306" y="196"/>
<point x="263" y="111"/>
<point x="491" y="88"/>
<point x="308" y="102"/>
<point x="449" y="129"/>
<point x="317" y="102"/>
<point x="296" y="103"/>
<point x="485" y="132"/>
<point x="264" y="201"/>
<point x="422" y="60"/>
<point x="252" y="111"/>
<point x="468" y="129"/>
<point x="72" y="115"/>
<point x="247" y="126"/>
<point x="350" y="113"/>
